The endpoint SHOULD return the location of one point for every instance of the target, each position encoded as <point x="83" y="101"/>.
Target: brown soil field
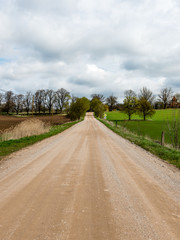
<point x="11" y="121"/>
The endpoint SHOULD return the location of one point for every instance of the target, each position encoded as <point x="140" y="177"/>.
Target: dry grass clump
<point x="25" y="129"/>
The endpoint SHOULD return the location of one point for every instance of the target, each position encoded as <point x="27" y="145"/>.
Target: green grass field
<point x="152" y="127"/>
<point x="170" y="155"/>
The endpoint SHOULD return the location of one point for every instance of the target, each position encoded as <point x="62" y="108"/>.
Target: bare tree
<point x="146" y="94"/>
<point x="28" y="101"/>
<point x="129" y="94"/>
<point x="73" y="99"/>
<point x="62" y="98"/>
<point x="50" y="98"/>
<point x="111" y="102"/>
<point x="38" y="100"/>
<point x="165" y="96"/>
<point x="18" y="100"/>
<point x="99" y="97"/>
<point x="1" y="99"/>
<point x="43" y="98"/>
<point x="9" y="101"/>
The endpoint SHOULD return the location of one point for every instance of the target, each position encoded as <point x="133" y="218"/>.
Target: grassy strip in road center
<point x="170" y="155"/>
<point x="10" y="146"/>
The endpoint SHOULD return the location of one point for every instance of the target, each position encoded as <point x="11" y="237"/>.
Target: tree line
<point x="61" y="101"/>
<point x="41" y="101"/>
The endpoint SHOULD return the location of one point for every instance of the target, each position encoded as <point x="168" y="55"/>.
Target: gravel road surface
<point x="88" y="183"/>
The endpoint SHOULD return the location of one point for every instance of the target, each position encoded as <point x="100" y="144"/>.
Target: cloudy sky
<point x="90" y="46"/>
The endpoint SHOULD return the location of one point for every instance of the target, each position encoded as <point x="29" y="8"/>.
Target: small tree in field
<point x="147" y="94"/>
<point x="165" y="96"/>
<point x="111" y="101"/>
<point x="145" y="108"/>
<point x="130" y="103"/>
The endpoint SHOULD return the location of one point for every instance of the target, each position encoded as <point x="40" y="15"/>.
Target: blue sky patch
<point x="4" y="60"/>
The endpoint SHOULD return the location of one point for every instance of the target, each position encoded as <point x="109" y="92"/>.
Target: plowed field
<point x="10" y="121"/>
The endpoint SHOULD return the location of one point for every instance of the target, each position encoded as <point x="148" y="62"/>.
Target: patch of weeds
<point x="10" y="146"/>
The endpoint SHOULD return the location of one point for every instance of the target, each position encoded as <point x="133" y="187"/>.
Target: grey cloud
<point x="90" y="46"/>
<point x="174" y="83"/>
<point x="82" y="82"/>
<point x="47" y="6"/>
<point x="132" y="65"/>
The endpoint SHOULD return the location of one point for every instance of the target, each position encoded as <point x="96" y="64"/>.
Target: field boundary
<point x="170" y="155"/>
<point x="10" y="146"/>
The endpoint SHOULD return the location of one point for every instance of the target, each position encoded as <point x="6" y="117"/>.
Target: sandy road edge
<point x="30" y="144"/>
<point x="14" y="161"/>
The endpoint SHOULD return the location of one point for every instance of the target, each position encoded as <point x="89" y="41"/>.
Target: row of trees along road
<point x="60" y="101"/>
<point x="41" y="101"/>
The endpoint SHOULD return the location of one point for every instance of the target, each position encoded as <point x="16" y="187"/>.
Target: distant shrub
<point x="97" y="107"/>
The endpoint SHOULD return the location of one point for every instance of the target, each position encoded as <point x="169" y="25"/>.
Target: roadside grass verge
<point x="10" y="146"/>
<point x="170" y="155"/>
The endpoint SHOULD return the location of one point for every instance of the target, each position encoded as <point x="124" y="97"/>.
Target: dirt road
<point x="87" y="183"/>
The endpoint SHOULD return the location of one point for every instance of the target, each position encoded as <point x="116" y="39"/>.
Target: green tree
<point x="97" y="107"/>
<point x="94" y="102"/>
<point x="147" y="94"/>
<point x="99" y="110"/>
<point x="145" y="108"/>
<point x="79" y="108"/>
<point x="130" y="103"/>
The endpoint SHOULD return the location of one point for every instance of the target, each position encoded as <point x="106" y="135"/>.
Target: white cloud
<point x="90" y="46"/>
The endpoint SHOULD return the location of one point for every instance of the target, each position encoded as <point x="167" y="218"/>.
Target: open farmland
<point x="88" y="183"/>
<point x="11" y="121"/>
<point x="151" y="128"/>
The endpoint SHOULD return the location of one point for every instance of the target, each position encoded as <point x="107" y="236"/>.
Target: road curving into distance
<point x="88" y="183"/>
